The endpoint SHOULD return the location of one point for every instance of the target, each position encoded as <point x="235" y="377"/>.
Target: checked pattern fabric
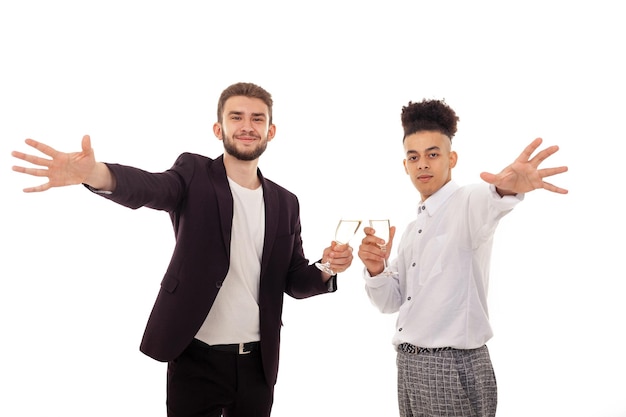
<point x="446" y="383"/>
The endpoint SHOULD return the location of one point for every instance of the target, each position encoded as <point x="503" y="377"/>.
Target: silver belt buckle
<point x="241" y="351"/>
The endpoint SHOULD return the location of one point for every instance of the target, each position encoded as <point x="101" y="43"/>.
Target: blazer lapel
<point x="270" y="197"/>
<point x="217" y="176"/>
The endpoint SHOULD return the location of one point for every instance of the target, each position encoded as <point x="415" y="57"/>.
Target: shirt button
<point x="419" y="231"/>
<point x="218" y="284"/>
<point x="400" y="329"/>
<point x="413" y="264"/>
<point x="408" y="298"/>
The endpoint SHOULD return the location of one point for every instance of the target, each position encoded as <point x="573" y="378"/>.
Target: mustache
<point x="249" y="135"/>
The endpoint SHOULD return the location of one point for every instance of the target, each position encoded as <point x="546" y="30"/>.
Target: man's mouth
<point x="246" y="138"/>
<point x="424" y="178"/>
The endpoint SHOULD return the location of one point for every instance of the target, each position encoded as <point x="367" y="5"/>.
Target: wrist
<point x="503" y="193"/>
<point x="101" y="178"/>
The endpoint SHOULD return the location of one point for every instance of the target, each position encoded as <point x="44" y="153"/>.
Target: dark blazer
<point x="196" y="194"/>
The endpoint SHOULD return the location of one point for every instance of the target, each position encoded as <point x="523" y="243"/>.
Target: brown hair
<point x="246" y="90"/>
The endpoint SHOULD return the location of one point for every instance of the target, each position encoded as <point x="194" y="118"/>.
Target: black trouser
<point x="204" y="382"/>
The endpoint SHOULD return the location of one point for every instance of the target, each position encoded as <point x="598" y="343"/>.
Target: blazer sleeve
<point x="161" y="191"/>
<point x="305" y="279"/>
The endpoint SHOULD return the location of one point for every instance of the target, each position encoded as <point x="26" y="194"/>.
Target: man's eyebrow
<point x="239" y="113"/>
<point x="432" y="148"/>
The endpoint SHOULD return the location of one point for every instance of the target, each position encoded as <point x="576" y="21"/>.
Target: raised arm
<point x="524" y="175"/>
<point x="65" y="168"/>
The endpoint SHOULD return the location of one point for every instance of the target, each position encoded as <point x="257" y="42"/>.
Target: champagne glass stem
<point x="344" y="232"/>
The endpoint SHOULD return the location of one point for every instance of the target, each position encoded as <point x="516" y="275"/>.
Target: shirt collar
<point x="432" y="203"/>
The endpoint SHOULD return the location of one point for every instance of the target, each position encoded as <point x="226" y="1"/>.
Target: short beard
<point x="231" y="149"/>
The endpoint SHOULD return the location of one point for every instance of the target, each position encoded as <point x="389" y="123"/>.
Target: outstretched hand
<point x="524" y="175"/>
<point x="62" y="169"/>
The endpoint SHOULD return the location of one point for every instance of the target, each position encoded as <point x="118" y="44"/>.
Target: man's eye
<point x="433" y="155"/>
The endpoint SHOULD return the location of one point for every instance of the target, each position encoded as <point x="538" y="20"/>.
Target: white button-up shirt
<point x="440" y="289"/>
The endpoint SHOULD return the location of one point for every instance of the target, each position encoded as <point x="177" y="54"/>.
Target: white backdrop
<point x="79" y="274"/>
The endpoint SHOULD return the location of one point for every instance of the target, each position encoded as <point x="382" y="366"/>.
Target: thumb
<point x="488" y="177"/>
<point x="86" y="144"/>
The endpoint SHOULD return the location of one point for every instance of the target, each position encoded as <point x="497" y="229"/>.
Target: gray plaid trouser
<point x="453" y="383"/>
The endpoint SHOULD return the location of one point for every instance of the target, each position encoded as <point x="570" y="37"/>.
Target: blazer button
<point x="218" y="284"/>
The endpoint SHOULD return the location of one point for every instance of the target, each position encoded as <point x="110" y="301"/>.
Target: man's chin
<point x="247" y="153"/>
<point x="245" y="156"/>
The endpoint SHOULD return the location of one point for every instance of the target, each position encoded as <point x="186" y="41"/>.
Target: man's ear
<point x="453" y="159"/>
<point x="217" y="130"/>
<point x="271" y="132"/>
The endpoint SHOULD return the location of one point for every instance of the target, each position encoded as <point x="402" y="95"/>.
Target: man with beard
<point x="217" y="317"/>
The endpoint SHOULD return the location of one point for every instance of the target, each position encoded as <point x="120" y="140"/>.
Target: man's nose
<point x="246" y="125"/>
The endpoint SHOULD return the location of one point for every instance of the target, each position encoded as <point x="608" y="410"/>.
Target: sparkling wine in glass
<point x="381" y="230"/>
<point x="346" y="229"/>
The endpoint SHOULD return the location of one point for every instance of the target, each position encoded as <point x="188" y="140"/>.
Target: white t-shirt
<point x="234" y="317"/>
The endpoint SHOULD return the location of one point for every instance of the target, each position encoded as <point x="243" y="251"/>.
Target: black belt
<point x="409" y="348"/>
<point x="238" y="348"/>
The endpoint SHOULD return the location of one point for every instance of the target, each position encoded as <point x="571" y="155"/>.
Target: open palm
<point x="61" y="169"/>
<point x="524" y="175"/>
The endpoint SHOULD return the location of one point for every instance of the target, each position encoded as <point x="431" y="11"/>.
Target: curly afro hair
<point x="429" y="115"/>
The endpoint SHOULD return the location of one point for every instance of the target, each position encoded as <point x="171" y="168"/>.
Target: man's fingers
<point x="35" y="160"/>
<point x="41" y="147"/>
<point x="35" y="172"/>
<point x="368" y="230"/>
<point x="37" y="189"/>
<point x="548" y="172"/>
<point x="528" y="151"/>
<point x="86" y="144"/>
<point x="551" y="187"/>
<point x="488" y="177"/>
<point x="543" y="155"/>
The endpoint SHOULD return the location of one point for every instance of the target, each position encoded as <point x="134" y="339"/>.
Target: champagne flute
<point x="346" y="229"/>
<point x="381" y="229"/>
